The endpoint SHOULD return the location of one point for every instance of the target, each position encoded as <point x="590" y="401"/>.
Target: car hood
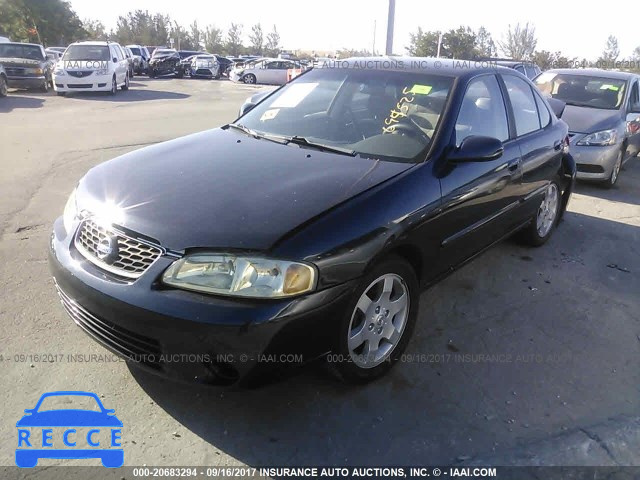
<point x="69" y="418"/>
<point x="589" y="120"/>
<point x="20" y="62"/>
<point x="222" y="188"/>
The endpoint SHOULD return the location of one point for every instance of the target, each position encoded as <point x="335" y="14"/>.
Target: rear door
<point x="478" y="198"/>
<point x="540" y="140"/>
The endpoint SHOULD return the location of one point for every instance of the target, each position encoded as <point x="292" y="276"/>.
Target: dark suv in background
<point x="26" y="65"/>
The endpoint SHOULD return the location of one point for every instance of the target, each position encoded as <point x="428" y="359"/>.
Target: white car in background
<point x="271" y="71"/>
<point x="141" y="58"/>
<point x="203" y="66"/>
<point x="93" y="67"/>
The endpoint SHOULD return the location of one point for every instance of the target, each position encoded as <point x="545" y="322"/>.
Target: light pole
<point x="390" y="22"/>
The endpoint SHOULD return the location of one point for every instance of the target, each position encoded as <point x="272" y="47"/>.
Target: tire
<point x="615" y="172"/>
<point x="352" y="361"/>
<point x="3" y="86"/>
<point x="545" y="219"/>
<point x="114" y="86"/>
<point x="180" y="74"/>
<point x="152" y="73"/>
<point x="45" y="86"/>
<point x="61" y="94"/>
<point x="249" y="79"/>
<point x="125" y="87"/>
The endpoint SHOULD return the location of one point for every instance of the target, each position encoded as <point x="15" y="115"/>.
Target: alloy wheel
<point x="616" y="170"/>
<point x="548" y="210"/>
<point x="251" y="79"/>
<point x="378" y="321"/>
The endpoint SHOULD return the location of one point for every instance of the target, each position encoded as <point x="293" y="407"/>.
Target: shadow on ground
<point x="518" y="345"/>
<point x="131" y="95"/>
<point x="15" y="101"/>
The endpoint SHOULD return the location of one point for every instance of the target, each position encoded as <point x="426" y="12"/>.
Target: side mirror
<point x="557" y="106"/>
<point x="115" y="60"/>
<point x="246" y="107"/>
<point x="477" y="148"/>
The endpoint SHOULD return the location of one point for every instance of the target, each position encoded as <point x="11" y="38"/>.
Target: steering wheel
<point x="411" y="128"/>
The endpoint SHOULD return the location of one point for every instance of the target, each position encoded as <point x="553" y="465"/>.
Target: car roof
<point x="440" y="66"/>
<point x="94" y="43"/>
<point x="595" y="72"/>
<point x="22" y="43"/>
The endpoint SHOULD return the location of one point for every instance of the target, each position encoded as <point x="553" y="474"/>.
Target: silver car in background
<point x="204" y="66"/>
<point x="140" y="58"/>
<point x="603" y="114"/>
<point x="271" y="71"/>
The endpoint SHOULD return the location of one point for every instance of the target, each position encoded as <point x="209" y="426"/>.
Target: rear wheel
<point x="249" y="78"/>
<point x="114" y="86"/>
<point x="546" y="218"/>
<point x="126" y="83"/>
<point x="378" y="324"/>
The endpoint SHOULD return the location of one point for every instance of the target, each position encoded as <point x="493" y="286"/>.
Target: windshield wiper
<point x="297" y="140"/>
<point x="242" y="128"/>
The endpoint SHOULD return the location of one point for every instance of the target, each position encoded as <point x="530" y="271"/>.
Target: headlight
<point x="70" y="212"/>
<point x="605" y="137"/>
<point x="228" y="274"/>
<point x="35" y="71"/>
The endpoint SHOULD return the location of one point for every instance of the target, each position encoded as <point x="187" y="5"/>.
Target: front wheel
<point x="249" y="78"/>
<point x="378" y="324"/>
<point x="615" y="172"/>
<point x="114" y="86"/>
<point x="546" y="218"/>
<point x="3" y="86"/>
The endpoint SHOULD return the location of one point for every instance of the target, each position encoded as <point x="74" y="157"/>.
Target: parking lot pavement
<point x="518" y="346"/>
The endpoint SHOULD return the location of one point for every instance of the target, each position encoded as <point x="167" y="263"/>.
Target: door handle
<point x="557" y="145"/>
<point x="513" y="165"/>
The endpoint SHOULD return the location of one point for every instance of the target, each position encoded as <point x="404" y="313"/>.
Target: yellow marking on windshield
<point x="421" y="89"/>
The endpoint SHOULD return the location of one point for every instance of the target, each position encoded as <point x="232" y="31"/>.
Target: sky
<point x="573" y="28"/>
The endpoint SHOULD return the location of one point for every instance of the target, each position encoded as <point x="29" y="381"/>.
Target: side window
<point x="525" y="111"/>
<point x="531" y="71"/>
<point x="545" y="116"/>
<point x="520" y="68"/>
<point x="482" y="111"/>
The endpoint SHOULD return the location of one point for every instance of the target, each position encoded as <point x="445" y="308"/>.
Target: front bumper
<point x="595" y="163"/>
<point x="190" y="336"/>
<point x="91" y="83"/>
<point x="26" y="82"/>
<point x="203" y="71"/>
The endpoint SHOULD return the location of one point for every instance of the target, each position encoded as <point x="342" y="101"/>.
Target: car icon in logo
<point x="69" y="433"/>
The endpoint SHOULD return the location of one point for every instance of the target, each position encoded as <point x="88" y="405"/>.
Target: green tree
<point x="234" y="39"/>
<point x="485" y="46"/>
<point x="272" y="47"/>
<point x="610" y="54"/>
<point x="213" y="40"/>
<point x="520" y="42"/>
<point x="196" y="36"/>
<point x="257" y="39"/>
<point x="459" y="43"/>
<point x="423" y="44"/>
<point x="50" y="22"/>
<point x="95" y="30"/>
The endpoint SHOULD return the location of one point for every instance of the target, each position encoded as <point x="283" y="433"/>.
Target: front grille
<point x="79" y="73"/>
<point x="15" y="71"/>
<point x="203" y="71"/>
<point x="586" y="168"/>
<point x="125" y="343"/>
<point x="130" y="257"/>
<point x="80" y="85"/>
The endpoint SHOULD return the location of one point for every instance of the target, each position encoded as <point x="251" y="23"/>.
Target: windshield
<point x="161" y="52"/>
<point x="583" y="90"/>
<point x="17" y="50"/>
<point x="86" y="52"/>
<point x="391" y="114"/>
<point x="135" y="51"/>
